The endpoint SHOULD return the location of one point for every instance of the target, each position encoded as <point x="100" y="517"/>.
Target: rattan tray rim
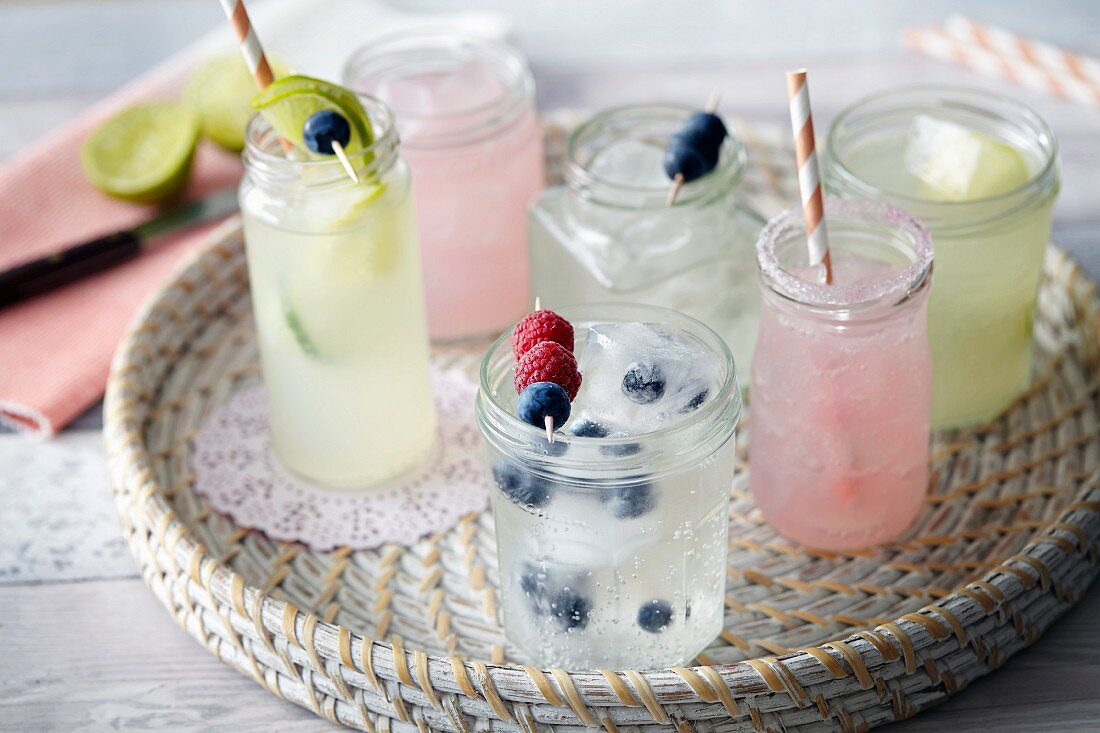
<point x="1054" y="570"/>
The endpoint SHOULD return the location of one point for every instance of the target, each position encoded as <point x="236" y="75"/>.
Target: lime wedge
<point x="143" y="153"/>
<point x="957" y="163"/>
<point x="288" y="102"/>
<point x="221" y="90"/>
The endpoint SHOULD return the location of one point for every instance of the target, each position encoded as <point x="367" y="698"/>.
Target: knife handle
<point x="53" y="270"/>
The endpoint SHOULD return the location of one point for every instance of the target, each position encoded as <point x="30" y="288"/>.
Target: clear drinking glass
<point x="620" y="560"/>
<point x="335" y="275"/>
<point x="608" y="234"/>
<point x="842" y="378"/>
<point x="466" y="115"/>
<point x="989" y="210"/>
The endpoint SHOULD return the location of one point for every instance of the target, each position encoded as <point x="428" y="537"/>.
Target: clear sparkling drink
<point x="465" y="112"/>
<point x="607" y="234"/>
<point x="981" y="171"/>
<point x="335" y="276"/>
<point x="842" y="378"/>
<point x="612" y="540"/>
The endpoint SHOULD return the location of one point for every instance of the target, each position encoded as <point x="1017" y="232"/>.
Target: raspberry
<point x="541" y="326"/>
<point x="549" y="362"/>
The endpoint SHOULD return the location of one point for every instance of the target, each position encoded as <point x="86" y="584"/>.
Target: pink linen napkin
<point x="55" y="350"/>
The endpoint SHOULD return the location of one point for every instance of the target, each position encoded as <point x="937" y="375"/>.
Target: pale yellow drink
<point x="981" y="172"/>
<point x="336" y="286"/>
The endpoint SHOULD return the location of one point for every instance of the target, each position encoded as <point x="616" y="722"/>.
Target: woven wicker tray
<point x="407" y="639"/>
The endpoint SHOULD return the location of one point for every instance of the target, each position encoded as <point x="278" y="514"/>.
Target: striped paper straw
<point x="251" y="49"/>
<point x="1057" y="61"/>
<point x="978" y="52"/>
<point x="809" y="177"/>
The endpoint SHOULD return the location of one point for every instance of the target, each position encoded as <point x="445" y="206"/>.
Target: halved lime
<point x="221" y="90"/>
<point x="288" y="102"/>
<point x="143" y="153"/>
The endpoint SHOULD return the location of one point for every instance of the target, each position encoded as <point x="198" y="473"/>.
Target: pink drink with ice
<point x="842" y="379"/>
<point x="469" y="132"/>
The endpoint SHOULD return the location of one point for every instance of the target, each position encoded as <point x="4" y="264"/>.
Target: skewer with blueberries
<point x="693" y="152"/>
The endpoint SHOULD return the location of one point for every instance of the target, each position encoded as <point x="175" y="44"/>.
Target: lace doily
<point x="237" y="472"/>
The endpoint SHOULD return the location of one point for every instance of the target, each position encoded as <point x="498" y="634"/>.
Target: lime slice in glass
<point x="143" y="153"/>
<point x="221" y="90"/>
<point x="288" y="102"/>
<point x="957" y="163"/>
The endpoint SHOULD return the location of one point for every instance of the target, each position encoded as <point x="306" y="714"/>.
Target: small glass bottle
<point x="985" y="188"/>
<point x="466" y="115"/>
<point x="612" y="550"/>
<point x="607" y="234"/>
<point x="842" y="378"/>
<point x="334" y="270"/>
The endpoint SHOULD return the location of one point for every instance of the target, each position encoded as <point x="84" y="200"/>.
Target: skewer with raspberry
<point x="547" y="377"/>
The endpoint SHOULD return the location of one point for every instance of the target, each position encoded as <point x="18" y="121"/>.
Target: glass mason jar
<point x="339" y="307"/>
<point x="842" y="378"/>
<point x="989" y="248"/>
<point x="465" y="112"/>
<point x="618" y="557"/>
<point x="608" y="235"/>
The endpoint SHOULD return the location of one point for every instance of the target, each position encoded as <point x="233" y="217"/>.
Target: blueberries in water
<point x="630" y="501"/>
<point x="655" y="616"/>
<point x="620" y="450"/>
<point x="695" y="402"/>
<point x="522" y="487"/>
<point x="644" y="383"/>
<point x="569" y="610"/>
<point x="590" y="429"/>
<point x="323" y="128"/>
<point x="550" y="596"/>
<point x="541" y="400"/>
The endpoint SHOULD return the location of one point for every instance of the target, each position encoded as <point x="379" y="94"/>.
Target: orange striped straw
<point x="809" y="176"/>
<point x="251" y="49"/>
<point x="1023" y="61"/>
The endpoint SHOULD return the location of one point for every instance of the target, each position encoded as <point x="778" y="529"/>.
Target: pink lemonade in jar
<point x="465" y="113"/>
<point x="842" y="377"/>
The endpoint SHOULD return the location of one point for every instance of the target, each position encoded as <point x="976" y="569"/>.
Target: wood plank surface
<point x="86" y="647"/>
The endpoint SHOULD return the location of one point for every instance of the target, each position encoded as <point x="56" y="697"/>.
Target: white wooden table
<point x="84" y="645"/>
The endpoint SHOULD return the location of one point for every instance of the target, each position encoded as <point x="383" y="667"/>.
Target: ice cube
<point x="957" y="163"/>
<point x="630" y="162"/>
<point x="640" y="377"/>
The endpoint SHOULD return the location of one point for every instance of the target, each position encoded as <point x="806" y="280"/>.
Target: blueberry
<point x="529" y="580"/>
<point x="683" y="158"/>
<point x="555" y="597"/>
<point x="644" y="382"/>
<point x="705" y="126"/>
<point x="630" y="501"/>
<point x="521" y="486"/>
<point x="695" y="402"/>
<point x="323" y="128"/>
<point x="590" y="429"/>
<point x="655" y="616"/>
<point x="569" y="610"/>
<point x="541" y="400"/>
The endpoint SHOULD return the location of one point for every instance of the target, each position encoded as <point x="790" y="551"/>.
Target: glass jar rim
<point x="381" y="57"/>
<point x="949" y="91"/>
<point x="261" y="157"/>
<point x="899" y="287"/>
<point x="729" y="171"/>
<point x="496" y="422"/>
